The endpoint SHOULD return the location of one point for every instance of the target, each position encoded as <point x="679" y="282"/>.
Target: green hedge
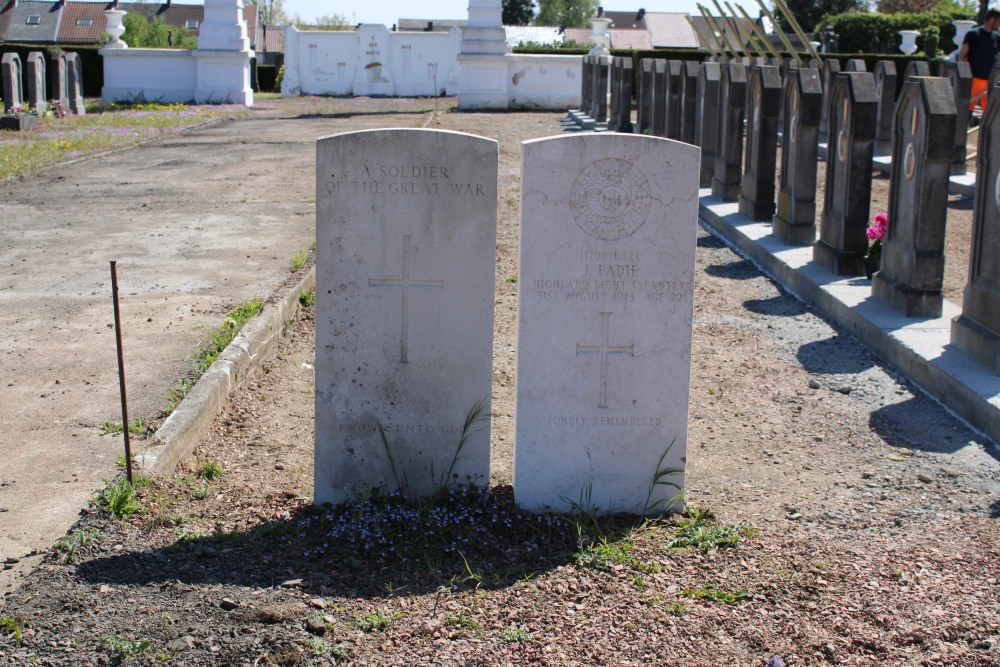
<point x="92" y="61"/>
<point x="857" y="31"/>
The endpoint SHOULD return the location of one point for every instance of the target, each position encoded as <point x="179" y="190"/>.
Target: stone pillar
<point x="223" y="55"/>
<point x="672" y="126"/>
<point x="727" y="176"/>
<point x="977" y="330"/>
<point x="13" y="96"/>
<point x="764" y="102"/>
<point x="646" y="84"/>
<point x="960" y="77"/>
<point x="374" y="77"/>
<point x="843" y="243"/>
<point x="623" y="115"/>
<point x="483" y="58"/>
<point x="706" y="119"/>
<point x="599" y="96"/>
<point x="689" y="99"/>
<point x="74" y="83"/>
<point x="586" y="84"/>
<point x="290" y="84"/>
<point x="885" y="92"/>
<point x="912" y="270"/>
<point x="831" y="68"/>
<point x="659" y="127"/>
<point x="35" y="69"/>
<point x="795" y="221"/>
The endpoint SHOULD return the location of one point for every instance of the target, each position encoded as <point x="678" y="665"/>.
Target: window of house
<point x="191" y="24"/>
<point x="34" y="20"/>
<point x="84" y="23"/>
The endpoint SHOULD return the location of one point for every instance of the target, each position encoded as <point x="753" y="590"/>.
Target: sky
<point x="388" y="12"/>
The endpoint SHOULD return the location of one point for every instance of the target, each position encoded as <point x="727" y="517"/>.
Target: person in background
<point x="980" y="48"/>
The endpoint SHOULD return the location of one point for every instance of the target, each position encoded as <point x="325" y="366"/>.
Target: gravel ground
<point x="844" y="518"/>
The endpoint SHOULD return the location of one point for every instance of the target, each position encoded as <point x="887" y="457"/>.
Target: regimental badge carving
<point x="909" y="161"/>
<point x="610" y="199"/>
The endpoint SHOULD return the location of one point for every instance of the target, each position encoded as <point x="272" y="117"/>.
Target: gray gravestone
<point x="706" y="120"/>
<point x="10" y="69"/>
<point x="831" y="68"/>
<point x="605" y="295"/>
<point x="728" y="174"/>
<point x="912" y="271"/>
<point x="406" y="254"/>
<point x="756" y="199"/>
<point x="855" y="65"/>
<point x="35" y="69"/>
<point x="885" y="91"/>
<point x="977" y="330"/>
<point x="916" y="68"/>
<point x="58" y="80"/>
<point x="843" y="242"/>
<point x="960" y="76"/>
<point x="689" y="99"/>
<point x="599" y="96"/>
<point x="645" y="110"/>
<point x="623" y="112"/>
<point x="587" y="85"/>
<point x="991" y="86"/>
<point x="795" y="221"/>
<point x="74" y="82"/>
<point x="674" y="92"/>
<point x="660" y="94"/>
<point x="614" y="79"/>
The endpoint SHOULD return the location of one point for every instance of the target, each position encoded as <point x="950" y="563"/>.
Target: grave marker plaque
<point x="885" y="92"/>
<point x="728" y="175"/>
<point x="977" y="330"/>
<point x="608" y="234"/>
<point x="795" y="221"/>
<point x="855" y="65"/>
<point x="756" y="199"/>
<point x="843" y="241"/>
<point x="916" y="68"/>
<point x="913" y="254"/>
<point x="406" y="254"/>
<point x="706" y="120"/>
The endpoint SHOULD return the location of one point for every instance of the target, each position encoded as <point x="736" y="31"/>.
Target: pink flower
<point x="882" y="220"/>
<point x="876" y="233"/>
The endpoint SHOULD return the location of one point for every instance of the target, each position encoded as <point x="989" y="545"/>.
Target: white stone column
<point x="483" y="59"/>
<point x="290" y="84"/>
<point x="223" y="54"/>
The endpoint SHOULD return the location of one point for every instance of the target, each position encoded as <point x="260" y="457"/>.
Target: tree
<point x="566" y="13"/>
<point x="271" y="12"/>
<point x="810" y="12"/>
<point x="325" y="22"/>
<point x="141" y="34"/>
<point x="518" y="12"/>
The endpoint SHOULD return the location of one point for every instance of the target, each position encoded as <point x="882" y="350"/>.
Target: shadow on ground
<point x="899" y="425"/>
<point x="835" y="355"/>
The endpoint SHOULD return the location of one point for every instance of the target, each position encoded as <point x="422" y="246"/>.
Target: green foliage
<point x="325" y="22"/>
<point x="860" y="32"/>
<point x="235" y="320"/>
<point x="376" y="622"/>
<point x="566" y="13"/>
<point x="117" y="498"/>
<point x="137" y="427"/>
<point x="308" y="299"/>
<point x="517" y="12"/>
<point x="661" y="478"/>
<point x="209" y="470"/>
<point x="271" y="12"/>
<point x="175" y="396"/>
<point x="140" y="33"/>
<point x="516" y="634"/>
<point x="12" y="628"/>
<point x="712" y="593"/>
<point x="570" y="48"/>
<point x="68" y="545"/>
<point x="511" y="279"/>
<point x="122" y="649"/>
<point x="300" y="259"/>
<point x="278" y="79"/>
<point x="699" y="530"/>
<point x="931" y="38"/>
<point x="605" y="554"/>
<point x="809" y="13"/>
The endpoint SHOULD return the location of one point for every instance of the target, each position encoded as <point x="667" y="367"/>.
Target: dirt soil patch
<point x="846" y="519"/>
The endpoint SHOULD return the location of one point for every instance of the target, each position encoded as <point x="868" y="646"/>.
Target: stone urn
<point x="599" y="35"/>
<point x="961" y="28"/>
<point x="115" y="28"/>
<point x="908" y="43"/>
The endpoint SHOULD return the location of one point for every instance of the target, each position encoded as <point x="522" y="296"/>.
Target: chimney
<point x="600" y="12"/>
<point x="640" y="15"/>
<point x="430" y="27"/>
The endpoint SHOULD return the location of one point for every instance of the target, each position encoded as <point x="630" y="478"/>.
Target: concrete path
<point x="199" y="224"/>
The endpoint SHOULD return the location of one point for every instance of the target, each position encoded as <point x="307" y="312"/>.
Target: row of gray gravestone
<point x="27" y="85"/>
<point x="927" y="130"/>
<point x="405" y="282"/>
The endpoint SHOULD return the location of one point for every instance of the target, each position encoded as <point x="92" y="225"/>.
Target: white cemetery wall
<point x="608" y="227"/>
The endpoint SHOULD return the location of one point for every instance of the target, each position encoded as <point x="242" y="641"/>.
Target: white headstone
<point x="608" y="236"/>
<point x="405" y="278"/>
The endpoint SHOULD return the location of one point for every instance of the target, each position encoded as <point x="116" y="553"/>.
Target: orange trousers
<point x="979" y="86"/>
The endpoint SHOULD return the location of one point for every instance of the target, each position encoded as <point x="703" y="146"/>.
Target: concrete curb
<point x="919" y="347"/>
<point x="189" y="424"/>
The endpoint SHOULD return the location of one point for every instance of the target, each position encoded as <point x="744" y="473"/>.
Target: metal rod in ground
<point x="121" y="371"/>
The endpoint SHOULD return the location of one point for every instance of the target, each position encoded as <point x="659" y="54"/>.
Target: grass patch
<point x="299" y="260"/>
<point x="516" y="635"/>
<point x="308" y="299"/>
<point x="376" y="622"/>
<point x="123" y="649"/>
<point x="137" y="427"/>
<point x="12" y="628"/>
<point x="699" y="530"/>
<point x="209" y="470"/>
<point x="605" y="554"/>
<point x="712" y="593"/>
<point x="68" y="545"/>
<point x="235" y="320"/>
<point x="118" y="498"/>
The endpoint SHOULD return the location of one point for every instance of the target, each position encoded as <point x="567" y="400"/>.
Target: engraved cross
<point x="605" y="349"/>
<point x="405" y="283"/>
